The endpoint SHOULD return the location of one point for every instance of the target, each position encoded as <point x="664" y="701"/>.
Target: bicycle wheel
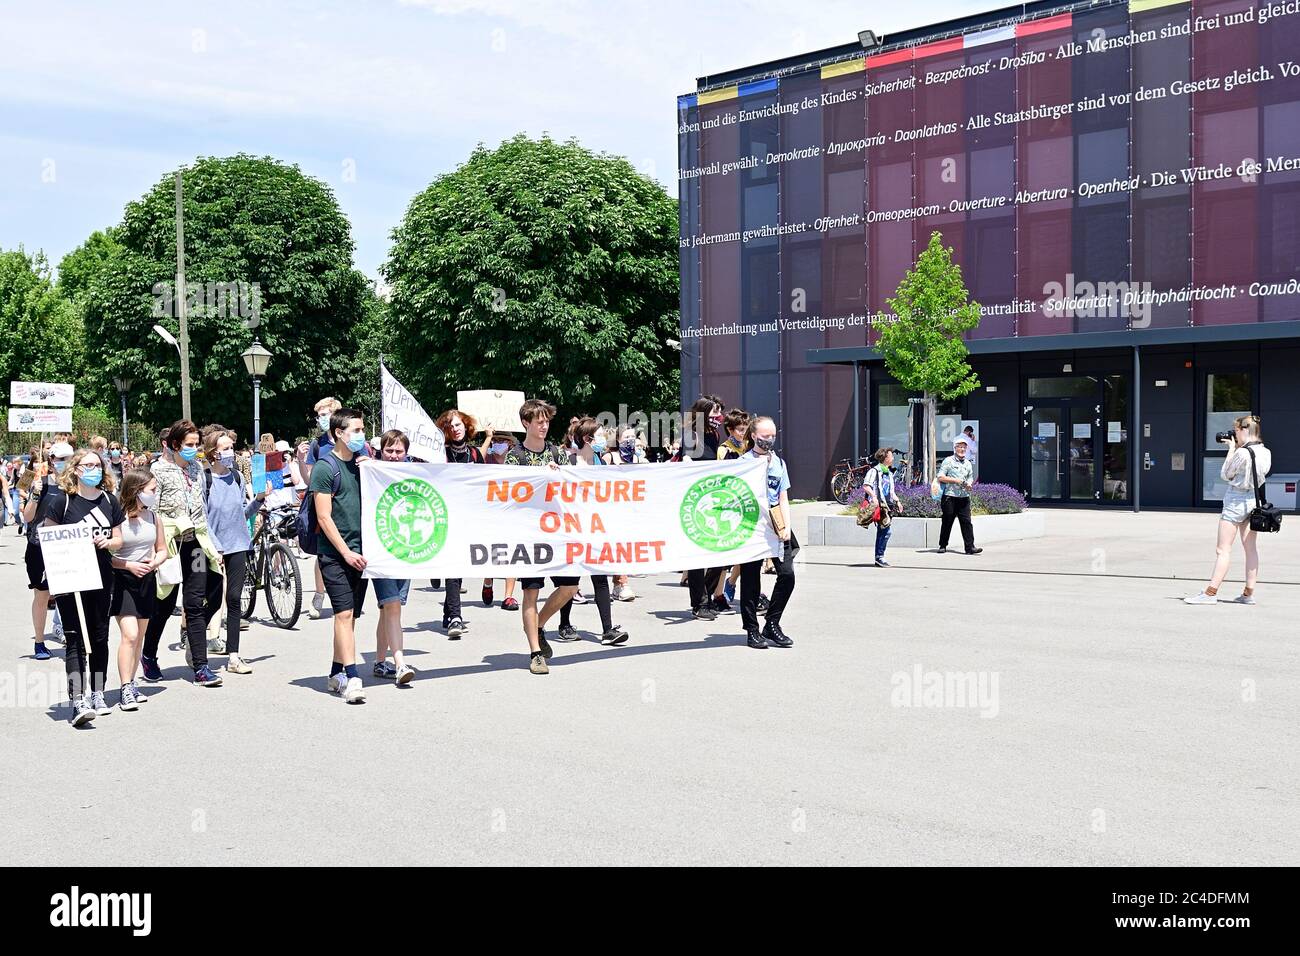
<point x="283" y="586"/>
<point x="841" y="485"/>
<point x="248" y="597"/>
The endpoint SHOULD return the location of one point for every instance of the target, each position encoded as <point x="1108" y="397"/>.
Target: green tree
<point x="922" y="342"/>
<point x="84" y="264"/>
<point x="542" y="267"/>
<point x="41" y="337"/>
<point x="247" y="220"/>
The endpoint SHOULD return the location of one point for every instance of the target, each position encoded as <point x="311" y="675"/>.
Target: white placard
<point x="1082" y="431"/>
<point x="40" y="419"/>
<point x="69" y="554"/>
<point x="1047" y="429"/>
<point x="498" y="411"/>
<point x="41" y="393"/>
<point x="402" y="411"/>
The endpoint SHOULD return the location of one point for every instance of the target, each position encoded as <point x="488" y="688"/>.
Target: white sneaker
<point x="578" y="598"/>
<point x="623" y="592"/>
<point x="405" y="674"/>
<point x="354" y="693"/>
<point x="336" y="683"/>
<point x="1243" y="599"/>
<point x="317" y="606"/>
<point x="235" y="665"/>
<point x="217" y="645"/>
<point x="1201" y="598"/>
<point x="58" y="629"/>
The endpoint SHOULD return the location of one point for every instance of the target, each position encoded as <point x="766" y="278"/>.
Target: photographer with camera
<point x="1244" y="469"/>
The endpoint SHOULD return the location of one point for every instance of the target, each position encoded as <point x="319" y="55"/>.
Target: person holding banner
<point x="457" y="429"/>
<point x="630" y="452"/>
<point x="762" y="439"/>
<point x="536" y="451"/>
<point x="336" y="497"/>
<point x="320" y="447"/>
<point x="592" y="451"/>
<point x="43" y="490"/>
<point x="134" y="585"/>
<point x="86" y="500"/>
<point x="391" y="593"/>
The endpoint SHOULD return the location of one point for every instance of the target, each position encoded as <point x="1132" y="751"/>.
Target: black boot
<point x="776" y="636"/>
<point x="754" y="639"/>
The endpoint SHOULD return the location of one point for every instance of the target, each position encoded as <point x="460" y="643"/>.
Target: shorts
<point x="35" y="568"/>
<point x="388" y="590"/>
<point x="343" y="583"/>
<point x="132" y="596"/>
<point x="1237" y="506"/>
<point x="535" y="584"/>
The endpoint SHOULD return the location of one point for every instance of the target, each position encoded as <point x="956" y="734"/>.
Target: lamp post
<point x="170" y="339"/>
<point x="123" y="386"/>
<point x="256" y="359"/>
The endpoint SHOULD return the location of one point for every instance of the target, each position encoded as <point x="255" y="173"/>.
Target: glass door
<point x="1081" y="478"/>
<point x="1046" y="479"/>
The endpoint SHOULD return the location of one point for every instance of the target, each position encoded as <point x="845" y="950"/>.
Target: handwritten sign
<point x="498" y="411"/>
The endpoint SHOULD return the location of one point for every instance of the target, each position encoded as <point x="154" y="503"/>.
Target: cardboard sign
<point x="69" y="554"/>
<point x="41" y="393"/>
<point x="498" y="411"/>
<point x="40" y="419"/>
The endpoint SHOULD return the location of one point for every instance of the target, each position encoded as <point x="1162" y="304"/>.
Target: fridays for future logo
<point x="411" y="520"/>
<point x="719" y="512"/>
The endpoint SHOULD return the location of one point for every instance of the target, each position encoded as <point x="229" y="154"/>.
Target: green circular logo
<point x="719" y="512"/>
<point x="411" y="520"/>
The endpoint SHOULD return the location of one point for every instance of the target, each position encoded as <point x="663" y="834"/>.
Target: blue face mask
<point x="627" y="449"/>
<point x="189" y="454"/>
<point x="323" y="422"/>
<point x="59" y="466"/>
<point x="356" y="443"/>
<point x="115" y="454"/>
<point x="599" y="446"/>
<point x="227" y="458"/>
<point x="92" y="476"/>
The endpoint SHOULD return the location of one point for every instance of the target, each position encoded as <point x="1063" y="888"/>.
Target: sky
<point x="100" y="101"/>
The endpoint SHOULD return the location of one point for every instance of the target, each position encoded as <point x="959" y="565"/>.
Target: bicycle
<point x="273" y="568"/>
<point x="846" y="478"/>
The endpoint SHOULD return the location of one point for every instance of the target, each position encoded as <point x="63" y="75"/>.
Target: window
<point x="1227" y="397"/>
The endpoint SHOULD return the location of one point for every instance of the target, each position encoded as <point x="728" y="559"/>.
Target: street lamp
<point x="123" y="386"/>
<point x="170" y="339"/>
<point x="256" y="359"/>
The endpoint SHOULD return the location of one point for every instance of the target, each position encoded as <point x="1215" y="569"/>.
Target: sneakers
<point x="236" y="665"/>
<point x="317" y="606"/>
<point x="705" y="612"/>
<point x="882" y="563"/>
<point x="537" y="663"/>
<point x="149" y="669"/>
<point x="729" y="591"/>
<point x="455" y="628"/>
<point x="128" y="699"/>
<point x="546" y="647"/>
<point x="98" y="704"/>
<point x="623" y="592"/>
<point x="721" y="605"/>
<point x="941" y="550"/>
<point x="82" y="712"/>
<point x="140" y="696"/>
<point x="509" y="604"/>
<point x="354" y="692"/>
<point x="580" y="598"/>
<point x="405" y="674"/>
<point x="1243" y="599"/>
<point x="755" y="640"/>
<point x="487" y="595"/>
<point x="336" y="683"/>
<point x="974" y="550"/>
<point x="567" y="633"/>
<point x="614" y="636"/>
<point x="1201" y="598"/>
<point x="205" y="678"/>
<point x="773" y="634"/>
<point x="58" y="629"/>
<point x="243" y="623"/>
<point x="217" y="645"/>
<point x="384" y="670"/>
<point x="42" y="653"/>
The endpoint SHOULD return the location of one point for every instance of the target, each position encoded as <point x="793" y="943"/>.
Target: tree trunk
<point x="931" y="450"/>
<point x="911" y="444"/>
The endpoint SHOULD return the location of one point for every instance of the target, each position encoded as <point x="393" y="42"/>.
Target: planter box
<point x="843" y="530"/>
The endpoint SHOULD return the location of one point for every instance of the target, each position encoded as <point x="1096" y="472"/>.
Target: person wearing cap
<point x="956" y="478"/>
<point x="44" y="490"/>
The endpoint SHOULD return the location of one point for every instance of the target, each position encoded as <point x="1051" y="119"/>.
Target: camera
<point x="1222" y="436"/>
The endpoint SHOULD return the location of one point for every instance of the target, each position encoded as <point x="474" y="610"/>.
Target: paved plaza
<point x="1050" y="701"/>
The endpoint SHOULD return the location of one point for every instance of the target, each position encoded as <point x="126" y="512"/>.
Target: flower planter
<point x="843" y="530"/>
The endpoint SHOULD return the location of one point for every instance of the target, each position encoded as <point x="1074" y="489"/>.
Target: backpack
<point x="306" y="524"/>
<point x="207" y="482"/>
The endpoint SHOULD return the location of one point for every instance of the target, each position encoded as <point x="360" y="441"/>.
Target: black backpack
<point x="306" y="524"/>
<point x="1265" y="517"/>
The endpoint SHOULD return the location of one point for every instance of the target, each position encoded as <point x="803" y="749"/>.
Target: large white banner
<point x="486" y="521"/>
<point x="402" y="411"/>
<point x="41" y="393"/>
<point x="40" y="419"/>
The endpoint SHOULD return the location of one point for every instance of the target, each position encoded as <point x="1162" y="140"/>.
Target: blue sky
<point x="98" y="101"/>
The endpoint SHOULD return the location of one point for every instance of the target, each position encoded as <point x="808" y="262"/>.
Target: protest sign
<point x="40" y="419"/>
<point x="41" y="393"/>
<point x="401" y="411"/>
<point x="498" y="411"/>
<point x="450" y="521"/>
<point x="69" y="554"/>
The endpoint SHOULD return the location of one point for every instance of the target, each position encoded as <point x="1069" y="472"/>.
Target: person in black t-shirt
<point x="87" y="499"/>
<point x="536" y="452"/>
<point x="43" y="490"/>
<point x="458" y="431"/>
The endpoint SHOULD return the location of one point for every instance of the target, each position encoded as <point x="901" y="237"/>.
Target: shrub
<point x="986" y="499"/>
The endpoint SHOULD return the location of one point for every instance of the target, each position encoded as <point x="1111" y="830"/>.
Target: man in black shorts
<point x="535" y="451"/>
<point x="335" y="487"/>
